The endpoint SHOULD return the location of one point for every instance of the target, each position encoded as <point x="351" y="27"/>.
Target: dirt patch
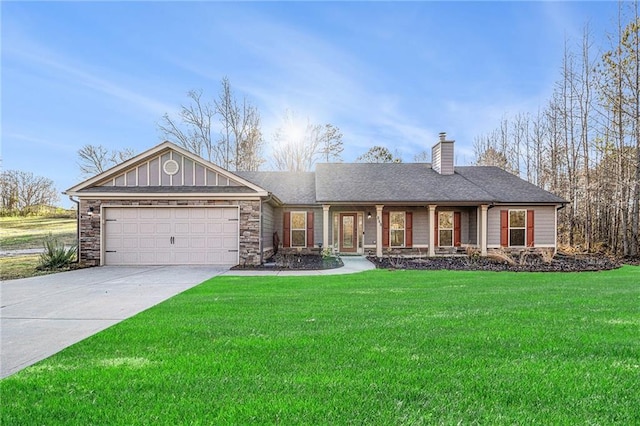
<point x="532" y="263"/>
<point x="295" y="262"/>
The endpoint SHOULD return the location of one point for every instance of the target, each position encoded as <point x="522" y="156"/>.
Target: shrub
<point x="327" y="253"/>
<point x="55" y="254"/>
<point x="501" y="255"/>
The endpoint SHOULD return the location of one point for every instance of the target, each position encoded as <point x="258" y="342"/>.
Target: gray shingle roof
<point x="506" y="187"/>
<point x="289" y="187"/>
<point x="392" y="182"/>
<point x="399" y="182"/>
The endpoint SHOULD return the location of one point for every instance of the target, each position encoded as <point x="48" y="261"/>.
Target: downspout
<point x="77" y="202"/>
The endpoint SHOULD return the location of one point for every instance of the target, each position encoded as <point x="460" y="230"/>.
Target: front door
<point x="348" y="232"/>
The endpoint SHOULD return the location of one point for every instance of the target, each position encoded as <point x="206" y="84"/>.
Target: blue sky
<point x="386" y="73"/>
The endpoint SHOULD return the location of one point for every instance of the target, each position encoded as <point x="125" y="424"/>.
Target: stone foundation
<point x="299" y="250"/>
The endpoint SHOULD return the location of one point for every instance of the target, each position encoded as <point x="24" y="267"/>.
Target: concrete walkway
<point x="40" y="316"/>
<point x="352" y="265"/>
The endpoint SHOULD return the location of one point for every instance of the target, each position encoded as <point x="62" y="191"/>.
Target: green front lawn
<point x="404" y="347"/>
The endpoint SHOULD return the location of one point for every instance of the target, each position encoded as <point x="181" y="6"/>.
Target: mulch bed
<point x="294" y="262"/>
<point x="532" y="263"/>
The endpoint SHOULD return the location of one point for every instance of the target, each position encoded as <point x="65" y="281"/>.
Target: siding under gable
<point x="151" y="173"/>
<point x="268" y="226"/>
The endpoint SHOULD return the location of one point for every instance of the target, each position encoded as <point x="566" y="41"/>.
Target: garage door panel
<point x="181" y="214"/>
<point x="114" y="229"/>
<point x="129" y="243"/>
<point x="190" y="257"/>
<point x="214" y="213"/>
<point x="214" y="243"/>
<point x="163" y="228"/>
<point x="198" y="228"/>
<point x="230" y="214"/>
<point x="147" y="242"/>
<point x="229" y="228"/>
<point x="130" y="228"/>
<point x="128" y="214"/>
<point x="180" y="242"/>
<point x="147" y="258"/>
<point x="198" y="214"/>
<point x="229" y="257"/>
<point x="214" y="228"/>
<point x="174" y="235"/>
<point x="229" y="243"/>
<point x="181" y="227"/>
<point x="147" y="228"/>
<point x="198" y="242"/>
<point x="164" y="213"/>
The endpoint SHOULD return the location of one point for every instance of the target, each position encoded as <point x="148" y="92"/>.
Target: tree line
<point x="584" y="144"/>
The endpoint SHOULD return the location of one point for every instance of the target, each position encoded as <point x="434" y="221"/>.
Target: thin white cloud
<point x="39" y="55"/>
<point x="66" y="147"/>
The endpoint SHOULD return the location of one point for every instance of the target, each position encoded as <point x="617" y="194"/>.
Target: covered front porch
<point x="379" y="229"/>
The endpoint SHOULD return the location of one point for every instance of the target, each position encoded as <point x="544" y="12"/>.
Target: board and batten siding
<point x="544" y="231"/>
<point x="152" y="173"/>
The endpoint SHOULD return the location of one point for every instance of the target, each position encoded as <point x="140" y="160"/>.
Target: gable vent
<point x="170" y="167"/>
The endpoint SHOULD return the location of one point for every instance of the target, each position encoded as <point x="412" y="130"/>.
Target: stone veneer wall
<point x="249" y="239"/>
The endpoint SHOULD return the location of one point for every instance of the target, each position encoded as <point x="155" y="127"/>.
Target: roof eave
<point x="176" y="195"/>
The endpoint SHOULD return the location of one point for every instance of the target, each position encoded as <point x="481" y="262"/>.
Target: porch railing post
<point x="379" y="230"/>
<point x="432" y="229"/>
<point x="325" y="226"/>
<point x="483" y="229"/>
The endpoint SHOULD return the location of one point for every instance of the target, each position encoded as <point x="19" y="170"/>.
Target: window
<point x="517" y="227"/>
<point x="298" y="229"/>
<point x="396" y="229"/>
<point x="445" y="229"/>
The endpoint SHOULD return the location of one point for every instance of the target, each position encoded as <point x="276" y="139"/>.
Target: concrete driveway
<point x="40" y="316"/>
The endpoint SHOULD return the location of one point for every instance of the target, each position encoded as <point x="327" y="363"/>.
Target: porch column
<point x="483" y="229"/>
<point x="379" y="230"/>
<point x="432" y="225"/>
<point x="325" y="226"/>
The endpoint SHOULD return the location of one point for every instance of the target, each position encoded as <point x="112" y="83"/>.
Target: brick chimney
<point x="442" y="156"/>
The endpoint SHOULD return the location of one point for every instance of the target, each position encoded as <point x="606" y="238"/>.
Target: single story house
<point x="169" y="206"/>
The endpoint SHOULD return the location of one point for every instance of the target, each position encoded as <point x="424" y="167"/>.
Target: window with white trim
<point x="517" y="228"/>
<point x="397" y="229"/>
<point x="445" y="229"/>
<point x="298" y="229"/>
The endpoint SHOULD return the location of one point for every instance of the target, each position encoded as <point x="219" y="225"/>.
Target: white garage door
<point x="171" y="235"/>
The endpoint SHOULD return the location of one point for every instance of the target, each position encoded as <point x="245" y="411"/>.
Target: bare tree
<point x="23" y="192"/>
<point x="331" y="144"/>
<point x="487" y="151"/>
<point x="193" y="130"/>
<point x="378" y="154"/>
<point x="241" y="143"/>
<point x="422" y="157"/>
<point x="95" y="159"/>
<point x="299" y="145"/>
<point x="235" y="142"/>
